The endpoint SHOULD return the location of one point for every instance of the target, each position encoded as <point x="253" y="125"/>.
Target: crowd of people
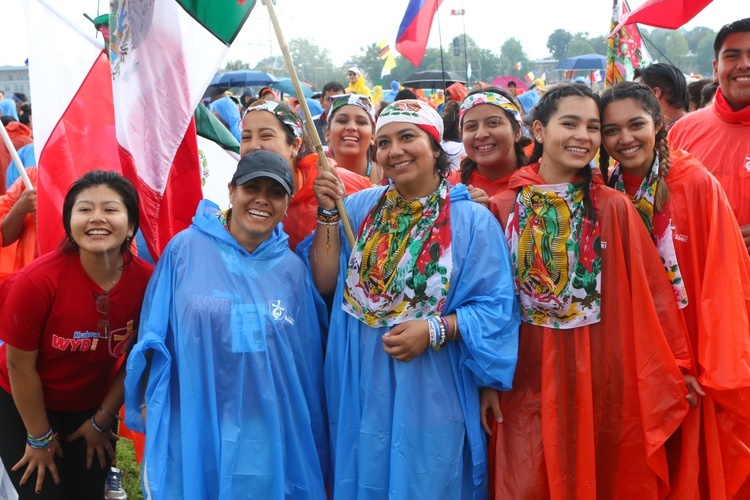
<point x="541" y="300"/>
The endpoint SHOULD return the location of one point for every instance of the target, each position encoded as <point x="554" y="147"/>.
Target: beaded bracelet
<point x="432" y="332"/>
<point x="96" y="427"/>
<point x="323" y="219"/>
<point x="41" y="442"/>
<point x="111" y="415"/>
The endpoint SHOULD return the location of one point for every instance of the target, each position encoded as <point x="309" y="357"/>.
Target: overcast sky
<point x="344" y="27"/>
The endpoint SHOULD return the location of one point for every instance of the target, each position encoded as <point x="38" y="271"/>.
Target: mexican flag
<point x="163" y="54"/>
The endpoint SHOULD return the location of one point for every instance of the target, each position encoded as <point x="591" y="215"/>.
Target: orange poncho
<point x="477" y="180"/>
<point x="16" y="255"/>
<point x="302" y="215"/>
<point x="710" y="454"/>
<point x="720" y="139"/>
<point x="591" y="408"/>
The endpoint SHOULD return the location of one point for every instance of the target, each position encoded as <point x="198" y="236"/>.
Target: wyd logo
<point x="276" y="309"/>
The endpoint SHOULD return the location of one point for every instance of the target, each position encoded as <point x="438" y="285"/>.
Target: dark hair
<point x="442" y="163"/>
<point x="670" y="80"/>
<point x="512" y="84"/>
<point x="7" y="119"/>
<point x="647" y="101"/>
<point x="20" y="96"/>
<point x="24" y="113"/>
<point x="115" y="182"/>
<point x="468" y="165"/>
<point x="545" y="109"/>
<point x="694" y="91"/>
<point x="405" y="94"/>
<point x="707" y="93"/>
<point x="450" y="122"/>
<point x="738" y="26"/>
<point x="332" y="87"/>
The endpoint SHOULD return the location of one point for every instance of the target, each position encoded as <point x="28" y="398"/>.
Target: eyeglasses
<point x="103" y="328"/>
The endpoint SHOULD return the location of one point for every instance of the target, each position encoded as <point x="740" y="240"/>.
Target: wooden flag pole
<point x="311" y="130"/>
<point x="16" y="160"/>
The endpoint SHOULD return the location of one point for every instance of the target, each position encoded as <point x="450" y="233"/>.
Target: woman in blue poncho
<point x="424" y="315"/>
<point x="227" y="112"/>
<point x="229" y="363"/>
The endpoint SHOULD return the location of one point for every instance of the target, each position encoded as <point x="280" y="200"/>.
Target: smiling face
<point x="262" y="130"/>
<point x="99" y="222"/>
<point x="732" y="70"/>
<point x="353" y="77"/>
<point x="489" y="139"/>
<point x="257" y="207"/>
<point x="407" y="156"/>
<point x="570" y="138"/>
<point x="350" y="132"/>
<point x="629" y="135"/>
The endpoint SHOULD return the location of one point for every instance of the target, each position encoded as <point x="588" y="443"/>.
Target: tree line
<point x="689" y="50"/>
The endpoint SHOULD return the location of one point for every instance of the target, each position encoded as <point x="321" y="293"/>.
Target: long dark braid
<point x="468" y="165"/>
<point x="646" y="99"/>
<point x="543" y="111"/>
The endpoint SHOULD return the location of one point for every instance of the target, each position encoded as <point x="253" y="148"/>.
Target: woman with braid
<point x="696" y="234"/>
<point x="490" y="124"/>
<point x="598" y="388"/>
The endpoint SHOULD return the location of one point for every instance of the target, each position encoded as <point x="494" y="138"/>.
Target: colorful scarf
<point x="401" y="265"/>
<point x="412" y="111"/>
<point x="488" y="98"/>
<point x="658" y="224"/>
<point x="556" y="256"/>
<point x="362" y="101"/>
<point x="286" y="115"/>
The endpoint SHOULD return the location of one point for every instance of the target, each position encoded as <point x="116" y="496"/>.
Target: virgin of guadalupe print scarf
<point x="401" y="265"/>
<point x="658" y="224"/>
<point x="556" y="256"/>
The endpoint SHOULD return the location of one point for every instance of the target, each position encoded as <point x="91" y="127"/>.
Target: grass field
<point x="131" y="471"/>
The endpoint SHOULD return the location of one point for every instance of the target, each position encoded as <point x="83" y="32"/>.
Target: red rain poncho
<point x="591" y="408"/>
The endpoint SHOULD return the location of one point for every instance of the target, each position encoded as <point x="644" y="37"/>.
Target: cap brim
<point x="254" y="175"/>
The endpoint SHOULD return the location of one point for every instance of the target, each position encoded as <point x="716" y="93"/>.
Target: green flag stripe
<point x="222" y="18"/>
<point x="208" y="126"/>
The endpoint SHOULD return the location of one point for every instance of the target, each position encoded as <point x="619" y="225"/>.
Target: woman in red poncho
<point x="697" y="236"/>
<point x="597" y="390"/>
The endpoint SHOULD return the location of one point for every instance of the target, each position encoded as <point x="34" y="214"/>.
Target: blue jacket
<point x="234" y="388"/>
<point x="412" y="429"/>
<point x="230" y="115"/>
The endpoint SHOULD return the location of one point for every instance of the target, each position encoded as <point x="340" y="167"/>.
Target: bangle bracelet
<point x="112" y="415"/>
<point x="96" y="427"/>
<point x="143" y="405"/>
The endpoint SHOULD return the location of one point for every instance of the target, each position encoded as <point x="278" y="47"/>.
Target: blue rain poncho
<point x="230" y="115"/>
<point x="234" y="387"/>
<point x="412" y="429"/>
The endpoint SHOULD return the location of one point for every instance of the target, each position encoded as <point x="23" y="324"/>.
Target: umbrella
<point x="432" y="80"/>
<point x="285" y="85"/>
<point x="502" y="81"/>
<point x="585" y="62"/>
<point x="242" y="78"/>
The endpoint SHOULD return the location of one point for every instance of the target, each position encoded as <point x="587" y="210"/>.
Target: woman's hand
<point x="96" y="442"/>
<point x="328" y="188"/>
<point x="478" y="195"/>
<point x="489" y="399"/>
<point x="694" y="389"/>
<point x="408" y="340"/>
<point x="40" y="460"/>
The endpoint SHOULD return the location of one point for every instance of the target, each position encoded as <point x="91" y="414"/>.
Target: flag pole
<point x="311" y="130"/>
<point x="16" y="159"/>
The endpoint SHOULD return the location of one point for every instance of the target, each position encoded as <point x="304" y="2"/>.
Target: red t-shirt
<point x="51" y="307"/>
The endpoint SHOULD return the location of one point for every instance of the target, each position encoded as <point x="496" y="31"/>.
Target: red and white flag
<point x="74" y="128"/>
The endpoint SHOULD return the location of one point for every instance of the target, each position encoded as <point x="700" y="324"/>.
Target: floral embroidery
<point x="401" y="264"/>
<point x="658" y="224"/>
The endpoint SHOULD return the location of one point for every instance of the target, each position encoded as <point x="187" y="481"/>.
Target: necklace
<point x="114" y="281"/>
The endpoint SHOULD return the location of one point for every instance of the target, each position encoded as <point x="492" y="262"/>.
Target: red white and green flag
<point x="163" y="54"/>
